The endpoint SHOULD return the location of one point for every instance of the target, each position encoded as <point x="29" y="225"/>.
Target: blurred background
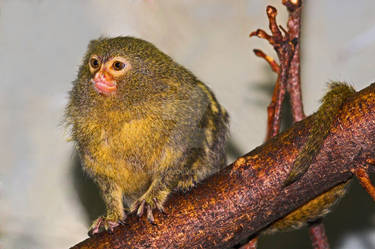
<point x="46" y="201"/>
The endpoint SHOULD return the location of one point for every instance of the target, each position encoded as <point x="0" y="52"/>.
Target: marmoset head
<point x="124" y="67"/>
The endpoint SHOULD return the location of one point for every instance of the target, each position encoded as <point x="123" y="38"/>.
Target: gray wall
<point x="47" y="202"/>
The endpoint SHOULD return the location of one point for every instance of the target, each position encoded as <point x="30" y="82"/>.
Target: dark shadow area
<point x="286" y="114"/>
<point x="286" y="240"/>
<point x="351" y="215"/>
<point x="88" y="192"/>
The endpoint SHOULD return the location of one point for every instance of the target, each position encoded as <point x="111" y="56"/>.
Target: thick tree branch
<point x="248" y="195"/>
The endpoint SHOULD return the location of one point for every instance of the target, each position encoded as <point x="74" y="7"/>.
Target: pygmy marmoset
<point x="143" y="126"/>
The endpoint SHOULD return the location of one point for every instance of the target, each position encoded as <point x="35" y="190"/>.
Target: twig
<point x="273" y="64"/>
<point x="318" y="236"/>
<point x="286" y="45"/>
<point x="365" y="181"/>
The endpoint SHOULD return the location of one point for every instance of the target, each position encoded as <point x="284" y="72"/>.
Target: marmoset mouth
<point x="103" y="86"/>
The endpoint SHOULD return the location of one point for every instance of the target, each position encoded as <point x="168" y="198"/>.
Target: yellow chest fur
<point x="125" y="153"/>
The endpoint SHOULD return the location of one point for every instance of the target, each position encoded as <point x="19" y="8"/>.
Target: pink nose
<point x="103" y="84"/>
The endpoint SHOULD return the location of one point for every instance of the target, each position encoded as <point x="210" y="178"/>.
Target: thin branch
<point x="284" y="46"/>
<point x="318" y="236"/>
<point x="294" y="79"/>
<point x="364" y="179"/>
<point x="271" y="110"/>
<point x="273" y="64"/>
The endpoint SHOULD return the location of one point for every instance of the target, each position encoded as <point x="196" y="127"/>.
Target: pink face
<point x="105" y="74"/>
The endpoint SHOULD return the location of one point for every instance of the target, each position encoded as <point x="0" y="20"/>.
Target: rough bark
<point x="247" y="196"/>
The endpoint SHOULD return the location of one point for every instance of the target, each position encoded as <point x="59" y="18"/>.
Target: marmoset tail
<point x="322" y="122"/>
<point x="143" y="126"/>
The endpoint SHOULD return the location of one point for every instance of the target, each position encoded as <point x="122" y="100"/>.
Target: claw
<point x="103" y="224"/>
<point x="141" y="208"/>
<point x="95" y="229"/>
<point x="159" y="206"/>
<point x="111" y="225"/>
<point x="150" y="216"/>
